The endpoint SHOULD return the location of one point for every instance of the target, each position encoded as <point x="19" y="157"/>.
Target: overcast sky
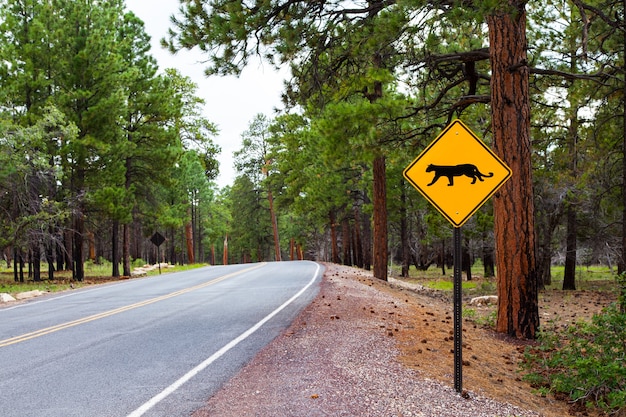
<point x="231" y="103"/>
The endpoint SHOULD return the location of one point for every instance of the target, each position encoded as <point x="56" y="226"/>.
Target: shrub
<point x="621" y="284"/>
<point x="590" y="366"/>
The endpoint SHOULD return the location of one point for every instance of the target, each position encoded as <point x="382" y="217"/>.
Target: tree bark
<point x="488" y="261"/>
<point x="126" y="249"/>
<point x="115" y="258"/>
<point x="404" y="233"/>
<point x="466" y="259"/>
<point x="91" y="242"/>
<point x="380" y="218"/>
<point x="68" y="251"/>
<point x="518" y="311"/>
<point x="36" y="260"/>
<point x="334" y="247"/>
<point x="15" y="261"/>
<point x="366" y="236"/>
<point x="346" y="240"/>
<point x="225" y="254"/>
<point x="358" y="242"/>
<point x="569" y="275"/>
<point x="79" y="229"/>
<point x="191" y="259"/>
<point x="270" y="199"/>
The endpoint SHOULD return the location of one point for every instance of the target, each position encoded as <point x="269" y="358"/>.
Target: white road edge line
<point x="172" y="388"/>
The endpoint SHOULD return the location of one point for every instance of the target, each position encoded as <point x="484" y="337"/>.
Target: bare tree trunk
<point x="60" y="251"/>
<point x="225" y="255"/>
<point x="569" y="274"/>
<point x="36" y="260"/>
<point x="404" y="234"/>
<point x="91" y="242"/>
<point x="277" y="255"/>
<point x="358" y="241"/>
<point x="15" y="261"/>
<point x="115" y="258"/>
<point x="488" y="262"/>
<point x="68" y="253"/>
<point x="79" y="229"/>
<point x="380" y="218"/>
<point x="333" y="239"/>
<point x="126" y="249"/>
<point x="466" y="259"/>
<point x="518" y="311"/>
<point x="189" y="240"/>
<point x="367" y="236"/>
<point x="345" y="233"/>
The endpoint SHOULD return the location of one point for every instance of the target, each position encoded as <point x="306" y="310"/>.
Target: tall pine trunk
<point x="346" y="241"/>
<point x="115" y="257"/>
<point x="518" y="311"/>
<point x="569" y="274"/>
<point x="380" y="218"/>
<point x="126" y="249"/>
<point x="270" y="198"/>
<point x="404" y="233"/>
<point x="78" y="234"/>
<point x="334" y="247"/>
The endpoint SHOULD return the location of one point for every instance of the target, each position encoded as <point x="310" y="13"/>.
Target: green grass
<point x="595" y="277"/>
<point x="444" y="285"/>
<point x="94" y="273"/>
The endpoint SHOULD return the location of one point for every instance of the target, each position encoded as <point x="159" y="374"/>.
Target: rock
<point x="484" y="300"/>
<point x="29" y="294"/>
<point x="6" y="298"/>
<point x="143" y="270"/>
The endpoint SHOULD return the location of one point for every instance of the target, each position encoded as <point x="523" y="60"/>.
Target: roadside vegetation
<point x="95" y="273"/>
<point x="585" y="362"/>
<point x="580" y="354"/>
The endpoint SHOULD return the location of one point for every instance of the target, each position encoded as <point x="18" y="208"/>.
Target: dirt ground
<point x="491" y="361"/>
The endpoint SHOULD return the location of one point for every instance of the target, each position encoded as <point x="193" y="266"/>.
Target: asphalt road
<point x="156" y="346"/>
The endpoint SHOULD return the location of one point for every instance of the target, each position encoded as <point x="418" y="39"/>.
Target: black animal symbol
<point x="451" y="171"/>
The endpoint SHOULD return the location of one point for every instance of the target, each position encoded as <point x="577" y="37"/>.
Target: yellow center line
<point x="62" y="326"/>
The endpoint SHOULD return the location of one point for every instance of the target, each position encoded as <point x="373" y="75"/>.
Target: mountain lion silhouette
<point x="451" y="171"/>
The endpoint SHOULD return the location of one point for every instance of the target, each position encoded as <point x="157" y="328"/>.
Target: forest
<point x="100" y="148"/>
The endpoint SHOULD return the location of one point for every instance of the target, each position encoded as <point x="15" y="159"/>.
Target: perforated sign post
<point x="457" y="173"/>
<point x="157" y="240"/>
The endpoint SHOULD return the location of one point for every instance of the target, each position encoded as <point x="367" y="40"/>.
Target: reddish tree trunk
<point x="225" y="255"/>
<point x="518" y="312"/>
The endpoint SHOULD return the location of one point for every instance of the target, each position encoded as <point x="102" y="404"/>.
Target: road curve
<point x="156" y="346"/>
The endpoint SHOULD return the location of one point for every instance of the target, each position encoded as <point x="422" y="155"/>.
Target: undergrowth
<point x="586" y="364"/>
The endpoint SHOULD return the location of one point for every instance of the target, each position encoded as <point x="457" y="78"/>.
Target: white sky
<point x="231" y="102"/>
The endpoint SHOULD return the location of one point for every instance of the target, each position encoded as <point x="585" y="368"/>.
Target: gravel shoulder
<point x="369" y="348"/>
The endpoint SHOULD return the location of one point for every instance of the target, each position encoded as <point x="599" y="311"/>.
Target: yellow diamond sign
<point x="457" y="173"/>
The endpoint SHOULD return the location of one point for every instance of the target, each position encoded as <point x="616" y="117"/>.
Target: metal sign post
<point x="157" y="240"/>
<point x="458" y="314"/>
